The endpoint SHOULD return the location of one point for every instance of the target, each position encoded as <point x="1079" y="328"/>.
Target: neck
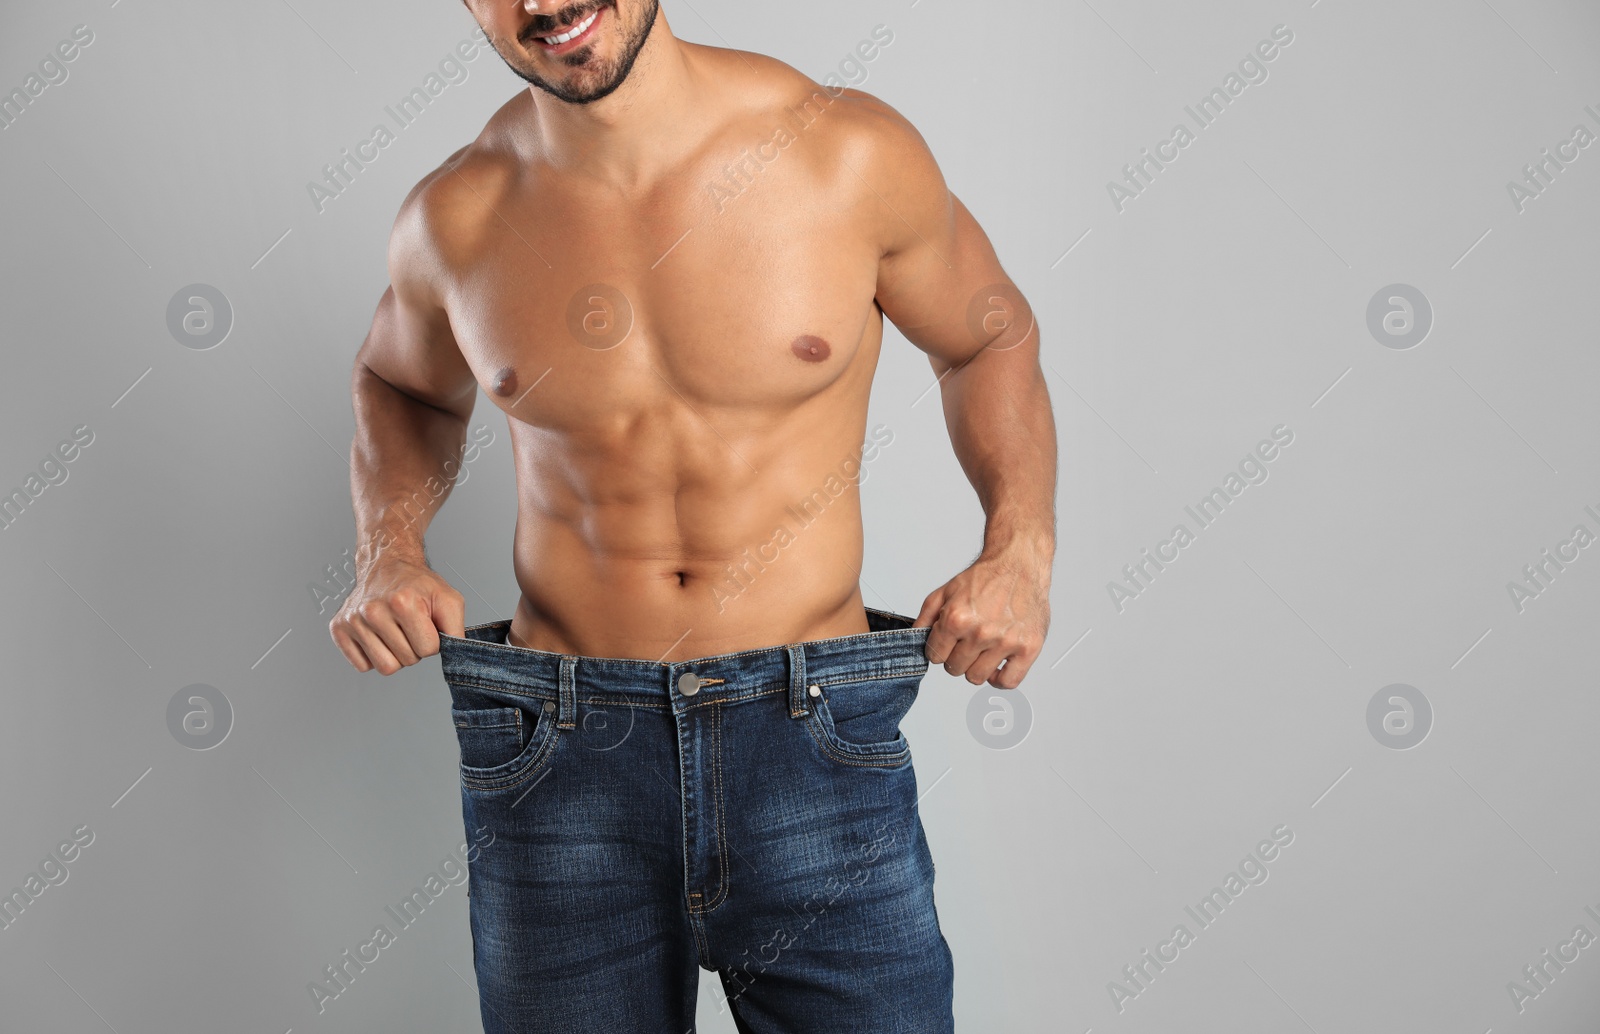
<point x="638" y="130"/>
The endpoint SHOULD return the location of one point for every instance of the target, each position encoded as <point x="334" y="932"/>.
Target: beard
<point x="596" y="77"/>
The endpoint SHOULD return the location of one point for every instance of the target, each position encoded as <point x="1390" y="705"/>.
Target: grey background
<point x="1167" y="740"/>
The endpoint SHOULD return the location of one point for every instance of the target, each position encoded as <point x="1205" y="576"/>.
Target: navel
<point x="505" y="382"/>
<point x="810" y="348"/>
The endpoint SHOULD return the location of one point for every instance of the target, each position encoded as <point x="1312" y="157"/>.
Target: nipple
<point x="810" y="348"/>
<point x="505" y="382"/>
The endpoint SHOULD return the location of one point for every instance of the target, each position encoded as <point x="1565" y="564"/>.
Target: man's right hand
<point x="393" y="616"/>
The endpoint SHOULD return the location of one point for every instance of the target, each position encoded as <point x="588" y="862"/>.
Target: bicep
<point x="939" y="280"/>
<point x="410" y="344"/>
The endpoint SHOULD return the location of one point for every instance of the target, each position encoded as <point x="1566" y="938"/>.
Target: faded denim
<point x="750" y="813"/>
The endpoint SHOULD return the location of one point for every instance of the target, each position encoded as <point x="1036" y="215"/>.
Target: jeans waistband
<point x="482" y="657"/>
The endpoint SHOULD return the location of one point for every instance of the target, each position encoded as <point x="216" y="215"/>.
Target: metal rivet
<point x="688" y="683"/>
<point x="815" y="691"/>
<point x="549" y="706"/>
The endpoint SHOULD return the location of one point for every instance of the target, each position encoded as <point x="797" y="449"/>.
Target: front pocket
<point x="500" y="746"/>
<point x="858" y="723"/>
<point x="490" y="737"/>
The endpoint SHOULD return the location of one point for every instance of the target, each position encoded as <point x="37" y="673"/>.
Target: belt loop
<point x="567" y="715"/>
<point x="799" y="703"/>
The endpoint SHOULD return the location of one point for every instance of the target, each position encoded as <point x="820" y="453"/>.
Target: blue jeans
<point x="751" y="813"/>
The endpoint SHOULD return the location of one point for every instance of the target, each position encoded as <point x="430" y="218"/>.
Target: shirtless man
<point x="669" y="265"/>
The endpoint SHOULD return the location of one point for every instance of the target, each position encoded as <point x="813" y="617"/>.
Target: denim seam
<point x="735" y="699"/>
<point x="716" y="783"/>
<point x="536" y="762"/>
<point x="813" y="725"/>
<point x="659" y="664"/>
<point x="516" y="690"/>
<point x="700" y="939"/>
<point x="845" y="681"/>
<point x="517" y="724"/>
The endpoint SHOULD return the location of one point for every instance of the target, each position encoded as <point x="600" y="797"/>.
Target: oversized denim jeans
<point x="751" y="813"/>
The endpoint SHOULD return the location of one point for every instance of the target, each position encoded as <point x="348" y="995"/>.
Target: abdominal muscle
<point x="662" y="544"/>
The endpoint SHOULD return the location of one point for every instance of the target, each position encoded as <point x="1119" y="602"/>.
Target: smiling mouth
<point x="570" y="37"/>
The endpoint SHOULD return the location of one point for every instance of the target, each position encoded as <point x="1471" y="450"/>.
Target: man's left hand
<point x="995" y="611"/>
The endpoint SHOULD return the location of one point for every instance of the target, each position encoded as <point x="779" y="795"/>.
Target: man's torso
<point x="685" y="368"/>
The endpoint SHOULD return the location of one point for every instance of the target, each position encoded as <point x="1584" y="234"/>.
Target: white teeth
<point x="576" y="30"/>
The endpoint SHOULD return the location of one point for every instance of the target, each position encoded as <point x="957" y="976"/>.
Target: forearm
<point x="997" y="410"/>
<point x="403" y="463"/>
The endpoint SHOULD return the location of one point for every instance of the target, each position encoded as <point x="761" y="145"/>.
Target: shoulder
<point x="861" y="135"/>
<point x="446" y="215"/>
<point x="887" y="168"/>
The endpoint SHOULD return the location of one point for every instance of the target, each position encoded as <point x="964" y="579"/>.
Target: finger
<point x="984" y="666"/>
<point x="961" y="657"/>
<point x="1015" y="669"/>
<point x="382" y="627"/>
<point x="348" y="647"/>
<point x="372" y="646"/>
<point x="413" y="615"/>
<point x="450" y="613"/>
<point x="942" y="639"/>
<point x="930" y="608"/>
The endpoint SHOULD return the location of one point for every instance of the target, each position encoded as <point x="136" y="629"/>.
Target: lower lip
<point x="576" y="41"/>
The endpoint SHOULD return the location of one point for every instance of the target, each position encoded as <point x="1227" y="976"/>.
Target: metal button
<point x="815" y="691"/>
<point x="688" y="683"/>
<point x="549" y="706"/>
